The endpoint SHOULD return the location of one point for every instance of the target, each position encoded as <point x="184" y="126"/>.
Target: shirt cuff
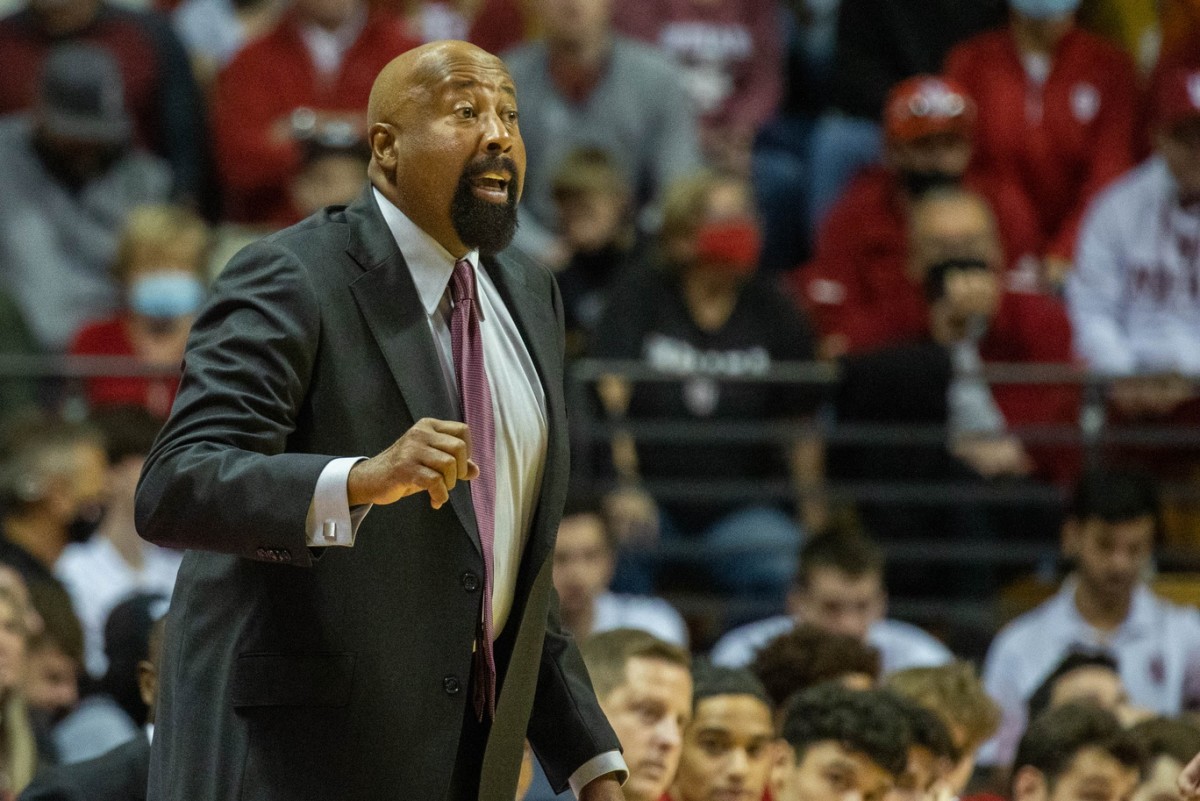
<point x="330" y="519"/>
<point x="597" y="766"/>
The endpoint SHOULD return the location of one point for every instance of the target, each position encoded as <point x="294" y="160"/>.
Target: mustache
<point x="492" y="164"/>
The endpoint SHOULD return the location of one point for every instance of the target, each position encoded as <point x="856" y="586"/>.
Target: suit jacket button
<point x="263" y="553"/>
<point x="470" y="581"/>
<point x="450" y="685"/>
<point x="285" y="554"/>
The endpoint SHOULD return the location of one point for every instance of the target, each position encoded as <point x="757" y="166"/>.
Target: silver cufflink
<point x="329" y="530"/>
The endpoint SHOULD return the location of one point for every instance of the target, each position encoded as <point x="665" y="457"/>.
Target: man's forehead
<point x="466" y="75"/>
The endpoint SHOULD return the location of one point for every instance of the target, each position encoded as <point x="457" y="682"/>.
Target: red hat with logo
<point x="925" y="105"/>
<point x="1177" y="96"/>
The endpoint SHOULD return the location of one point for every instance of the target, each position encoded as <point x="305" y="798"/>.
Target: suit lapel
<point x="389" y="303"/>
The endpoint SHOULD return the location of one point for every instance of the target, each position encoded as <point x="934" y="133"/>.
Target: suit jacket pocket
<point x="292" y="680"/>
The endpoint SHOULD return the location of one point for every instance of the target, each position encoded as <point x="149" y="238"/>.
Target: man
<point x="1058" y="112"/>
<point x="312" y="69"/>
<point x="52" y="487"/>
<point x="645" y="689"/>
<point x="858" y="286"/>
<point x="931" y="754"/>
<point x="583" y="85"/>
<point x="955" y="693"/>
<point x="584" y="559"/>
<point x="1109" y="535"/>
<point x="839" y="588"/>
<point x="728" y="748"/>
<point x="841" y="744"/>
<point x="116" y="563"/>
<point x="1132" y="295"/>
<point x="1169" y="745"/>
<point x="1086" y="677"/>
<point x="805" y="656"/>
<point x="426" y="648"/>
<point x="1073" y="753"/>
<point x="71" y="176"/>
<point x="119" y="774"/>
<point x="166" y="107"/>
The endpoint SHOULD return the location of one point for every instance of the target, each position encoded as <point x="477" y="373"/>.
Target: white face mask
<point x="166" y="294"/>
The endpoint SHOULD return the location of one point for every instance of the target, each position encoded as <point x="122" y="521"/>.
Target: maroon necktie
<point x="476" y="398"/>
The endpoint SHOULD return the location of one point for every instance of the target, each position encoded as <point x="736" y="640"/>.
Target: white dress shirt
<point x="653" y="615"/>
<point x="901" y="645"/>
<point x="519" y="411"/>
<point x="1157" y="649"/>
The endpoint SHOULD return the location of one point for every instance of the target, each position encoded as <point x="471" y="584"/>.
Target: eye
<point x="511" y="115"/>
<point x="464" y="112"/>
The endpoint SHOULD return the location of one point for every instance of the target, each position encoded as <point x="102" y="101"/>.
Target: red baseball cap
<point x="1177" y="96"/>
<point x="925" y="105"/>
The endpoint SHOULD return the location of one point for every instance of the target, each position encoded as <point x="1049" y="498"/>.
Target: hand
<point x="605" y="788"/>
<point x="432" y="457"/>
<point x="633" y="515"/>
<point x="1189" y="780"/>
<point x="994" y="456"/>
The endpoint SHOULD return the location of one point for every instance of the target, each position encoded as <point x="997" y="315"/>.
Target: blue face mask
<point x="166" y="294"/>
<point x="1045" y="9"/>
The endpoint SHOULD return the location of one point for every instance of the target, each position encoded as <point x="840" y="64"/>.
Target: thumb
<point x="472" y="469"/>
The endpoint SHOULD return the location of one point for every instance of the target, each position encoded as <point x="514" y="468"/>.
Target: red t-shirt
<point x="110" y="338"/>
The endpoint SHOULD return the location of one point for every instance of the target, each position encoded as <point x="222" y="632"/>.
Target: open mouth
<point x="492" y="186"/>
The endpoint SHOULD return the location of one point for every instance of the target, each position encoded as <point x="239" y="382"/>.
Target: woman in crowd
<point x="162" y="269"/>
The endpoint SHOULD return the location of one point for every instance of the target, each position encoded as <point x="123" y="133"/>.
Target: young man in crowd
<point x="1168" y="745"/>
<point x="1109" y="535"/>
<point x="584" y="559"/>
<point x="955" y="693"/>
<point x="729" y="747"/>
<point x="1076" y="753"/>
<point x="931" y="754"/>
<point x="1086" y="677"/>
<point x="839" y="588"/>
<point x="805" y="656"/>
<point x="841" y="744"/>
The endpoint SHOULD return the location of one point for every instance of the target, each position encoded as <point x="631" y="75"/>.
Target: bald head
<point x="416" y="74"/>
<point x="445" y="145"/>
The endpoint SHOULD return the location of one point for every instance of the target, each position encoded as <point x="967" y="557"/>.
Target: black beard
<point x="478" y="223"/>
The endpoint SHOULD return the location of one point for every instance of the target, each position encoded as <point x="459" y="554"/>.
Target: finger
<point x="438" y="494"/>
<point x="457" y="447"/>
<point x="444" y="463"/>
<point x="472" y="470"/>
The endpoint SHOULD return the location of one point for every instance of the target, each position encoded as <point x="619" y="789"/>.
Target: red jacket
<point x="109" y="338"/>
<point x="268" y="80"/>
<point x="856" y="285"/>
<point x="1058" y="144"/>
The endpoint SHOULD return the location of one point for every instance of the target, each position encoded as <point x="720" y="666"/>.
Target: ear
<point x="783" y="765"/>
<point x="147" y="677"/>
<point x="1029" y="784"/>
<point x="382" y="138"/>
<point x="1072" y="532"/>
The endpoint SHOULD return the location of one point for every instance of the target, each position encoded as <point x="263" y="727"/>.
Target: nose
<point x="739" y="763"/>
<point x="497" y="137"/>
<point x="668" y="733"/>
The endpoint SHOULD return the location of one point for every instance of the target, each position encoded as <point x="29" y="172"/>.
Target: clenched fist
<point x="432" y="457"/>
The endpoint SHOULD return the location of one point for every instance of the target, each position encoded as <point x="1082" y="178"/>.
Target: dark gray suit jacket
<point x="342" y="676"/>
<point x="119" y="775"/>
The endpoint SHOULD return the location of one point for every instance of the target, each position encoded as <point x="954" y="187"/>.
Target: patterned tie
<point x="476" y="398"/>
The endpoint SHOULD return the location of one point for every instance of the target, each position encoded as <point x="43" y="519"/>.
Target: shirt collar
<point x="429" y="263"/>
<point x="327" y="47"/>
<point x="1142" y="609"/>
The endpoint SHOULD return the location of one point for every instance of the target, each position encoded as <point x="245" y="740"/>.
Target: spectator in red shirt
<point x="1058" y="114"/>
<point x="730" y="55"/>
<point x="315" y="68"/>
<point x="161" y="268"/>
<point x="859" y="288"/>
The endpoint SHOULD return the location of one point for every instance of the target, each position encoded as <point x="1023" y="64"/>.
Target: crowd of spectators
<point x="899" y="194"/>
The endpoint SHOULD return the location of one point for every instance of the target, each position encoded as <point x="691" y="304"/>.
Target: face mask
<point x="85" y="523"/>
<point x="166" y="295"/>
<point x="732" y="244"/>
<point x="1045" y="9"/>
<point x="917" y="182"/>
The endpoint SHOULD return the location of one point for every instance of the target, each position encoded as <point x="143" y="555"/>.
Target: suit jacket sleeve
<point x="566" y="725"/>
<point x="219" y="477"/>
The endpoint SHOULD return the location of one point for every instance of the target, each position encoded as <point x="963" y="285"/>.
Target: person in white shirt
<point x="115" y="563"/>
<point x="584" y="560"/>
<point x="839" y="587"/>
<point x="1134" y="296"/>
<point x="1109" y="534"/>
